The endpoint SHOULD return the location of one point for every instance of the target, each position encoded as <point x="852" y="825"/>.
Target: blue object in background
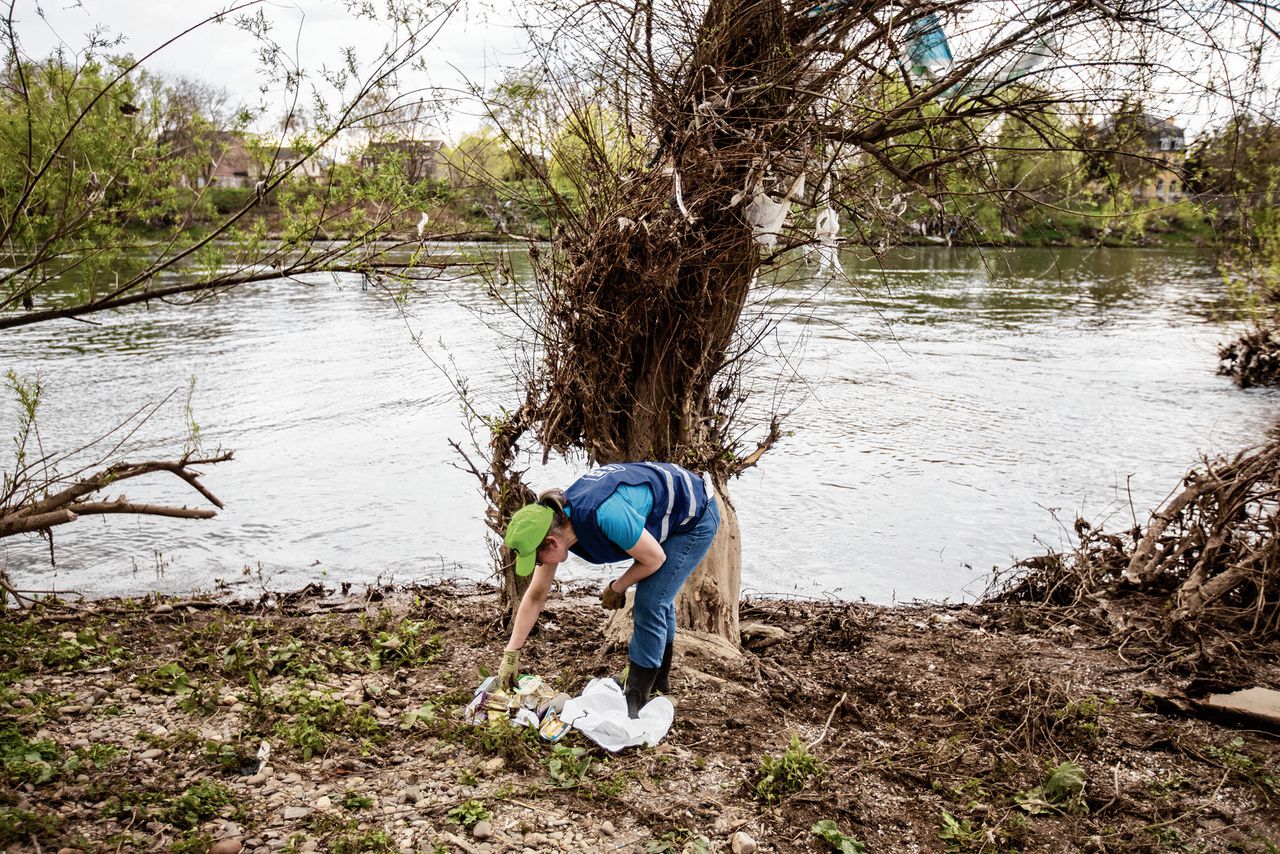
<point x="927" y="46"/>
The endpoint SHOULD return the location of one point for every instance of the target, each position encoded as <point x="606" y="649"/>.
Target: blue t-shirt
<point x="621" y="516"/>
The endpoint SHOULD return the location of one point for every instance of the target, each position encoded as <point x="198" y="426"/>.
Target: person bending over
<point x="661" y="515"/>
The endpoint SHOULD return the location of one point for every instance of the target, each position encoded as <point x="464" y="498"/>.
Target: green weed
<point x="518" y="745"/>
<point x="1060" y="792"/>
<point x="1165" y="787"/>
<point x="358" y="841"/>
<point x="94" y="756"/>
<point x="567" y="766"/>
<point x="73" y="650"/>
<point x="678" y="841"/>
<point x="787" y="773"/>
<point x="25" y="827"/>
<point x="196" y="804"/>
<point x="960" y="834"/>
<point x="167" y="679"/>
<point x="1084" y="717"/>
<point x="353" y="800"/>
<point x="830" y="833"/>
<point x="468" y="814"/>
<point x="313" y="722"/>
<point x="24" y="761"/>
<point x="411" y="644"/>
<point x="1233" y="757"/>
<point x="1172" y="839"/>
<point x="191" y="842"/>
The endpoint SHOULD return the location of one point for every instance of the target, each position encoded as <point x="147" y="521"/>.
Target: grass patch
<point x="787" y="773"/>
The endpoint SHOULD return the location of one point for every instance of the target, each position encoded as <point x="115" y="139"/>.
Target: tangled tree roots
<point x="1206" y="569"/>
<point x="1253" y="359"/>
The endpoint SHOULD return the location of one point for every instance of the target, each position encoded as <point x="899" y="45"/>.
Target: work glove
<point x="610" y="599"/>
<point x="508" y="669"/>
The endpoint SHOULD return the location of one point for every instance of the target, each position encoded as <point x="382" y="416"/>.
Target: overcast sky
<point x="478" y="41"/>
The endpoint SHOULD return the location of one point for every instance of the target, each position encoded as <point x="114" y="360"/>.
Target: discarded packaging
<point x="553" y="728"/>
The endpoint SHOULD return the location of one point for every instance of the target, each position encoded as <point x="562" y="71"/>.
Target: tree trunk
<point x="708" y="602"/>
<point x="707" y="605"/>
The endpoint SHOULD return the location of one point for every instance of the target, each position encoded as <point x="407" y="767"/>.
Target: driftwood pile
<point x="1253" y="359"/>
<point x="1204" y="573"/>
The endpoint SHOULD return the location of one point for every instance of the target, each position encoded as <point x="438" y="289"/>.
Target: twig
<point x="827" y="725"/>
<point x="1208" y="802"/>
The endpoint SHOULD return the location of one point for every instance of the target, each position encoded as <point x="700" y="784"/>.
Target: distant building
<point x="231" y="163"/>
<point x="235" y="160"/>
<point x="1166" y="149"/>
<point x="420" y="159"/>
<point x="307" y="167"/>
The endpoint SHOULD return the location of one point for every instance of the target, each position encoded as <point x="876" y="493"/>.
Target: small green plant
<point x="412" y="643"/>
<point x="358" y="841"/>
<point x="196" y="804"/>
<point x="73" y="650"/>
<point x="568" y="766"/>
<point x="191" y="842"/>
<point x="468" y="814"/>
<point x="419" y="717"/>
<point x="678" y="841"/>
<point x="1232" y="755"/>
<point x="787" y="773"/>
<point x="830" y="833"/>
<point x="1166" y="786"/>
<point x="610" y="785"/>
<point x="312" y="722"/>
<point x="1084" y="716"/>
<point x="1170" y="838"/>
<point x="23" y="761"/>
<point x="518" y="745"/>
<point x="226" y="758"/>
<point x="25" y="827"/>
<point x="94" y="756"/>
<point x="353" y="800"/>
<point x="1060" y="792"/>
<point x="167" y="679"/>
<point x="959" y="834"/>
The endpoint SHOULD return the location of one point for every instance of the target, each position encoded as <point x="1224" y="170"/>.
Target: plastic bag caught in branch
<point x="767" y="216"/>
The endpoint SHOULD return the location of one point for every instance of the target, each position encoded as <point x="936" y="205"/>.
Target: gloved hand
<point x="610" y="599"/>
<point x="508" y="670"/>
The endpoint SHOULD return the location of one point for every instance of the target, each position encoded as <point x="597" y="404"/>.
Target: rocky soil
<point x="315" y="722"/>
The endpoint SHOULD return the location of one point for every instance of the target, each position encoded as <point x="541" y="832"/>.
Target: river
<point x="951" y="411"/>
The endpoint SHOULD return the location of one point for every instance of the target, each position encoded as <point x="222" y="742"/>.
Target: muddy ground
<point x="139" y="726"/>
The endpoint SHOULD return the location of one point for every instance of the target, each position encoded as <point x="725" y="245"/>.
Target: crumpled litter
<point x="600" y="713"/>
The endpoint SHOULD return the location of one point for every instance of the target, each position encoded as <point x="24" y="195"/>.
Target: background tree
<point x="101" y="208"/>
<point x="728" y="103"/>
<point x="81" y="174"/>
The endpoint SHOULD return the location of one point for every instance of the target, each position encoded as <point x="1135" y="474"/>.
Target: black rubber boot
<point x="662" y="684"/>
<point x="639" y="687"/>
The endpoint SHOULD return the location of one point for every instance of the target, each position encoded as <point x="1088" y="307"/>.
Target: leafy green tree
<point x="102" y="206"/>
<point x="99" y="168"/>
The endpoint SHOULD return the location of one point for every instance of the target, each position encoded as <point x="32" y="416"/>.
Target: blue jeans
<point x="655" y="604"/>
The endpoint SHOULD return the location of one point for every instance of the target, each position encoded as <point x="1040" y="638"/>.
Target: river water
<point x="952" y="411"/>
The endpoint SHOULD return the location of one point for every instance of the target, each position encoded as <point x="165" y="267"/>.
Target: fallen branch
<point x="71" y="503"/>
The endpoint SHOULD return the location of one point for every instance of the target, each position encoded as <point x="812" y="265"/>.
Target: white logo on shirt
<point x="597" y="473"/>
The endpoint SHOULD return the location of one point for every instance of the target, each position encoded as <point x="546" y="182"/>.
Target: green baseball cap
<point x="525" y="532"/>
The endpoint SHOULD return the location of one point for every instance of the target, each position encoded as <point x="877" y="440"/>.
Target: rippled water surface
<point x="946" y="405"/>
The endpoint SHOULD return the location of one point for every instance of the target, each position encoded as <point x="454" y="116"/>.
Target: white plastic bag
<point x="600" y="713"/>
